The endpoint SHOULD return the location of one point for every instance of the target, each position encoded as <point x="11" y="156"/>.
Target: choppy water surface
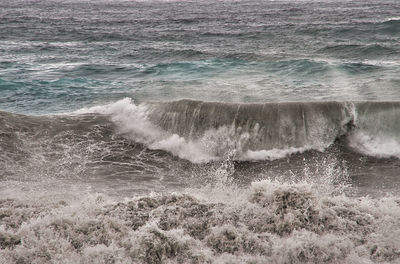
<point x="199" y="131"/>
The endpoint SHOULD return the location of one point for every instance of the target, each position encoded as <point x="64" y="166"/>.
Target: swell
<point x="390" y="26"/>
<point x="356" y="50"/>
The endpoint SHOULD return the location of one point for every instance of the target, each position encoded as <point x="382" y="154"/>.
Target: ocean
<point x="208" y="131"/>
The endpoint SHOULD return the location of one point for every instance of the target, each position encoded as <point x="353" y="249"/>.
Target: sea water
<point x="199" y="131"/>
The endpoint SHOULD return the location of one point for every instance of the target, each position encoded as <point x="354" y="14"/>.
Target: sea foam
<point x="269" y="221"/>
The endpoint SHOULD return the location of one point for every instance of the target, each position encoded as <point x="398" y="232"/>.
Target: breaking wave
<point x="204" y="131"/>
<point x="208" y="131"/>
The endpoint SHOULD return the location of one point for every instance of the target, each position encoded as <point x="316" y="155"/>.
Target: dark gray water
<point x="58" y="56"/>
<point x="199" y="131"/>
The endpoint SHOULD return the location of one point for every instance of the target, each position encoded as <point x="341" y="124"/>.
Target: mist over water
<point x="199" y="131"/>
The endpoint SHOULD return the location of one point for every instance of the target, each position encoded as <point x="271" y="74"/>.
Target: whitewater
<point x="210" y="131"/>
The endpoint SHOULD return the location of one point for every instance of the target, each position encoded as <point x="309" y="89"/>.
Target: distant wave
<point x="391" y="25"/>
<point x="355" y="50"/>
<point x="387" y="27"/>
<point x="214" y="67"/>
<point x="208" y="67"/>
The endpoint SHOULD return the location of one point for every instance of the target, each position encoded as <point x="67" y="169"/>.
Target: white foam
<point x="178" y="146"/>
<point x="272" y="154"/>
<point x="268" y="222"/>
<point x="132" y="122"/>
<point x="375" y="145"/>
<point x="392" y="19"/>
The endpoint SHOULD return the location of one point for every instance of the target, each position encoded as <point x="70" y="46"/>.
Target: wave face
<point x="265" y="126"/>
<point x="202" y="132"/>
<point x="285" y="127"/>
